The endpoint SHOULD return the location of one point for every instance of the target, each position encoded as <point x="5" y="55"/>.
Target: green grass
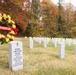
<point x="40" y="61"/>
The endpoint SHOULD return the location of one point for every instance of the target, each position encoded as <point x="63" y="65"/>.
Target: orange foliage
<point x="54" y="9"/>
<point x="15" y="12"/>
<point x="53" y="12"/>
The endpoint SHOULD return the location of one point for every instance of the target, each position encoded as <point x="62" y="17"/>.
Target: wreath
<point x="7" y="24"/>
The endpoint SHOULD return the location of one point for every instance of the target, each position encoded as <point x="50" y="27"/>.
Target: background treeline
<point x="42" y="18"/>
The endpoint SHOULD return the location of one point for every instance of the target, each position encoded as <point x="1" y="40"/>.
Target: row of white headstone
<point x="45" y="41"/>
<point x="39" y="40"/>
<point x="59" y="41"/>
<point x="62" y="40"/>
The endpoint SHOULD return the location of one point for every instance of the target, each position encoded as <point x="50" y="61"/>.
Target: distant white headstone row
<point x="56" y="41"/>
<point x="40" y="40"/>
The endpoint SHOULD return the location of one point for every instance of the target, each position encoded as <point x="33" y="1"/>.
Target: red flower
<point x="15" y="30"/>
<point x="11" y="23"/>
<point x="2" y="38"/>
<point x="6" y="18"/>
<point x="3" y="19"/>
<point x="11" y="39"/>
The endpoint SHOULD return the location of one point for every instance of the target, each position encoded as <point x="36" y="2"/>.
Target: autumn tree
<point x="73" y="28"/>
<point x="49" y="15"/>
<point x="69" y="18"/>
<point x="61" y="23"/>
<point x="34" y="15"/>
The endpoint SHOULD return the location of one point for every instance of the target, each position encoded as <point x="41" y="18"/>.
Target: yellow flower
<point x="2" y="36"/>
<point x="8" y="17"/>
<point x="0" y="18"/>
<point x="4" y="15"/>
<point x="9" y="21"/>
<point x="12" y="32"/>
<point x="13" y="22"/>
<point x="0" y="14"/>
<point x="8" y="36"/>
<point x="12" y="37"/>
<point x="7" y="39"/>
<point x="13" y="26"/>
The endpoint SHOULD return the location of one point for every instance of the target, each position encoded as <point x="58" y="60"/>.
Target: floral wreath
<point x="11" y="27"/>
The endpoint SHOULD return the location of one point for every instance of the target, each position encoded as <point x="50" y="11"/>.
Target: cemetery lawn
<point x="39" y="60"/>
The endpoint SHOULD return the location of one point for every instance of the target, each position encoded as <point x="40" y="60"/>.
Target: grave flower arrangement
<point x="7" y="24"/>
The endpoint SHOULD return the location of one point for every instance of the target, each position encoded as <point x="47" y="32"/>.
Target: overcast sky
<point x="72" y="1"/>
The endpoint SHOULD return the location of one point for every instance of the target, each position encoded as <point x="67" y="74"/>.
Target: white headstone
<point x="69" y="41"/>
<point x="47" y="40"/>
<point x="39" y="40"/>
<point x="55" y="42"/>
<point x="45" y="43"/>
<point x="15" y="55"/>
<point x="63" y="40"/>
<point x="25" y="37"/>
<point x="59" y="40"/>
<point x="61" y="50"/>
<point x="74" y="41"/>
<point x="31" y="43"/>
